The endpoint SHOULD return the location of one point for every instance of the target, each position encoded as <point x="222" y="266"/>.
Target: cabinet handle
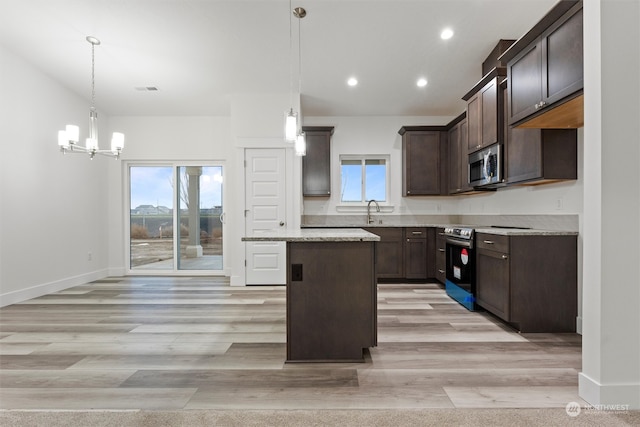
<point x="504" y="256"/>
<point x="441" y="250"/>
<point x="416" y="233"/>
<point x="440" y="271"/>
<point x="488" y="242"/>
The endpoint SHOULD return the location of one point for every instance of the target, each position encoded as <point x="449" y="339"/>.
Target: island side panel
<point x="331" y="311"/>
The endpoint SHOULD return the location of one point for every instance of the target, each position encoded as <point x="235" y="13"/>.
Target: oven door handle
<point x="463" y="243"/>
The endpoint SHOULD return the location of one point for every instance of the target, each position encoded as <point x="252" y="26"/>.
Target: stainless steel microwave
<point x="485" y="168"/>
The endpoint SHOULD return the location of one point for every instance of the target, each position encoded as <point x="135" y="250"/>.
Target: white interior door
<point x="265" y="206"/>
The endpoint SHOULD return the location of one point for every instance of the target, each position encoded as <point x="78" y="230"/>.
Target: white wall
<point x="611" y="326"/>
<point x="375" y="135"/>
<point x="379" y="135"/>
<point x="148" y="139"/>
<point x="54" y="207"/>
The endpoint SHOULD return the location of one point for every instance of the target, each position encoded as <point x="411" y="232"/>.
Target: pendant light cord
<point x="290" y="56"/>
<point x="93" y="76"/>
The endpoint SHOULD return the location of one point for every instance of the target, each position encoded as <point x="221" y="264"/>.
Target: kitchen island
<point x="331" y="293"/>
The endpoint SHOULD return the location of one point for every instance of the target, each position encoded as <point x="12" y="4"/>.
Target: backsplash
<point x="538" y="222"/>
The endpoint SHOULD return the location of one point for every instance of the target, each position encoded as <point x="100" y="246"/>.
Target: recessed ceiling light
<point x="446" y="34"/>
<point x="352" y="81"/>
<point x="422" y="82"/>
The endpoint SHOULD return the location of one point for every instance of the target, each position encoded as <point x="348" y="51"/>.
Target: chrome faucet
<point x="369" y="218"/>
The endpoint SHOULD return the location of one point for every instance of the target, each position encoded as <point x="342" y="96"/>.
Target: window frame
<point x="363" y="158"/>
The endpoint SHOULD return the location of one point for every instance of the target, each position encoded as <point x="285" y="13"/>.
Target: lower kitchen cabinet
<point x="440" y="255"/>
<point x="415" y="253"/>
<point x="530" y="281"/>
<point x="389" y="252"/>
<point x="405" y="253"/>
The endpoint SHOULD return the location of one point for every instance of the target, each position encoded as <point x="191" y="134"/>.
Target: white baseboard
<point x="579" y="325"/>
<point x="237" y="281"/>
<point x="608" y="395"/>
<point x="21" y="295"/>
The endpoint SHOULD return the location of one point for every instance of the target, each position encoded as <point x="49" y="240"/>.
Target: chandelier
<point x="68" y="138"/>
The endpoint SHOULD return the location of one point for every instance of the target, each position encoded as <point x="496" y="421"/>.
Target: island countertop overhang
<point x="313" y="235"/>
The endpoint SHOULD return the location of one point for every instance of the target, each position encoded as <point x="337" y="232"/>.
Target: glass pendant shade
<point x="117" y="142"/>
<point x="301" y="145"/>
<point x="291" y="126"/>
<point x="73" y="134"/>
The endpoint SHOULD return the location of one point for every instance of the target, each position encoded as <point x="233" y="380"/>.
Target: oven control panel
<point x="459" y="232"/>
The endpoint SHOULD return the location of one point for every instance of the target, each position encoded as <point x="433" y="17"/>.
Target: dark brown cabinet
<point x="545" y="68"/>
<point x="405" y="253"/>
<point x="492" y="273"/>
<point x="424" y="168"/>
<point x="389" y="252"/>
<point x="458" y="158"/>
<point x="440" y="255"/>
<point x="316" y="164"/>
<point x="331" y="306"/>
<point x="415" y="253"/>
<point x="530" y="281"/>
<point x="541" y="155"/>
<point x="485" y="112"/>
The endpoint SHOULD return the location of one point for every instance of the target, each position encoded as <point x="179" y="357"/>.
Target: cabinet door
<point x="492" y="282"/>
<point x="454" y="160"/>
<point x="316" y="165"/>
<point x="474" y="123"/>
<point x="525" y="82"/>
<point x="389" y="252"/>
<point x="421" y="155"/>
<point x="562" y="59"/>
<point x="524" y="155"/>
<point x="415" y="258"/>
<point x="490" y="118"/>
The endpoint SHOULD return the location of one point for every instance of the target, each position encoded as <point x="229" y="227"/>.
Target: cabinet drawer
<point x="415" y="232"/>
<point x="493" y="242"/>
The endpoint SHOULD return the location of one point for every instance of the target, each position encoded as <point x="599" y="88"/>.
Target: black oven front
<point x="460" y="272"/>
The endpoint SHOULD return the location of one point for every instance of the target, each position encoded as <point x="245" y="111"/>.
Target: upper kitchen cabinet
<point x="424" y="154"/>
<point x="316" y="164"/>
<point x="458" y="158"/>
<point x="484" y="111"/>
<point x="545" y="71"/>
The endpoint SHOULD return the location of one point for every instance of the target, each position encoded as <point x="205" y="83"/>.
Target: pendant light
<point x="291" y="117"/>
<point x="68" y="138"/>
<point x="301" y="143"/>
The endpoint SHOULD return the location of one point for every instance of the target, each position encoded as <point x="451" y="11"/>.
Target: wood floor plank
<point x="198" y="343"/>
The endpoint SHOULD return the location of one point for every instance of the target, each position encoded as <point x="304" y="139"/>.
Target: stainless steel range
<point x="460" y="281"/>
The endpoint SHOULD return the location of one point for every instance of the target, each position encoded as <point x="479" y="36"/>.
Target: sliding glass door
<point x="175" y="218"/>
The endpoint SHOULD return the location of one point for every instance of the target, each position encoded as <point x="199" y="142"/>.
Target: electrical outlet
<point x="296" y="272"/>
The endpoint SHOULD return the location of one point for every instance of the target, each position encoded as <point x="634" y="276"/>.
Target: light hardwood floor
<point x="197" y="343"/>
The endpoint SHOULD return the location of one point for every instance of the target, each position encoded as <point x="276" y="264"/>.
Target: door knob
<point x="281" y="223"/>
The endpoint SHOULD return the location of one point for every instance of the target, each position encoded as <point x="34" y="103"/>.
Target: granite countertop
<point x="523" y="232"/>
<point x="314" y="235"/>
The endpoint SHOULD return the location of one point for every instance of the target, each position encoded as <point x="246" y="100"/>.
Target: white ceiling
<point x="199" y="52"/>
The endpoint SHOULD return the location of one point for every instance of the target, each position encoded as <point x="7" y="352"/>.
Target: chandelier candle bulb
<point x="117" y="142"/>
<point x="301" y="145"/>
<point x="73" y="134"/>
